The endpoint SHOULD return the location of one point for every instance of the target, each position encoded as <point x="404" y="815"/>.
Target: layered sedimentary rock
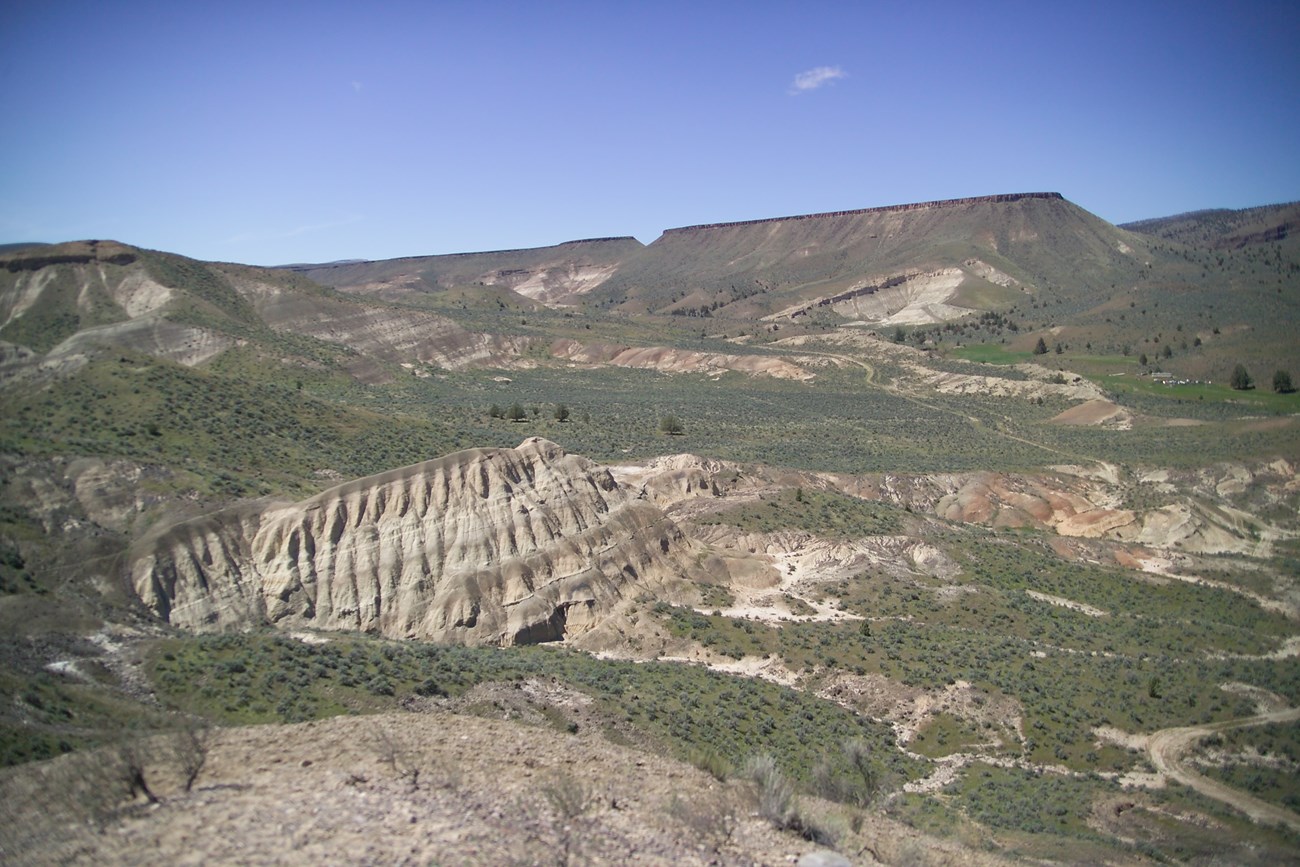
<point x="668" y="359"/>
<point x="484" y="546"/>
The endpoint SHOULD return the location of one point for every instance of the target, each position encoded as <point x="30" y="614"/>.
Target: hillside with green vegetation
<point x="1226" y="229"/>
<point x="998" y="550"/>
<point x="761" y="267"/>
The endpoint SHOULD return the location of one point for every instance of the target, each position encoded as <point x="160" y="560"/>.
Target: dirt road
<point x="1168" y="746"/>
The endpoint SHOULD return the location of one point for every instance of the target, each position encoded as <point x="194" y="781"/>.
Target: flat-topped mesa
<point x="884" y="209"/>
<point x="483" y="546"/>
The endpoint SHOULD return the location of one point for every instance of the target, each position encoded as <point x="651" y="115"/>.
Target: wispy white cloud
<point x="356" y="87"/>
<point x="815" y="78"/>
<point x="246" y="237"/>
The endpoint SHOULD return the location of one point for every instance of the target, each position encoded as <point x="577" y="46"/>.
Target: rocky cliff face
<point x="484" y="546"/>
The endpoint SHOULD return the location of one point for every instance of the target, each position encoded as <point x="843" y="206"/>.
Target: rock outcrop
<point x="483" y="546"/>
<point x="918" y="297"/>
<point x="668" y="359"/>
<point x="1076" y="502"/>
<point x="904" y="299"/>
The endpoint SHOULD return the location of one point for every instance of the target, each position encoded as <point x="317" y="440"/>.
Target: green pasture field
<point x="1258" y="399"/>
<point x="990" y="353"/>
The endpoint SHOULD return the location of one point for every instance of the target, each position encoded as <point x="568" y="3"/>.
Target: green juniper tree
<point x="670" y="425"/>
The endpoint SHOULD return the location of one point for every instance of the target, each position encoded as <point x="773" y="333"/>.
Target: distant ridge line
<point x="1205" y="212"/>
<point x="915" y="206"/>
<point x="519" y="249"/>
<point x="348" y="262"/>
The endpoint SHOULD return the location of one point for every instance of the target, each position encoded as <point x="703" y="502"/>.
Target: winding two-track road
<point x="1168" y="746"/>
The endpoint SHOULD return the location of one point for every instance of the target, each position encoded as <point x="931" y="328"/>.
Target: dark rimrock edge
<point x="72" y="253"/>
<point x="914" y="206"/>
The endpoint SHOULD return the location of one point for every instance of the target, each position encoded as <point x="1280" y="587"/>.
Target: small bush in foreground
<point x="775" y="799"/>
<point x="710" y="818"/>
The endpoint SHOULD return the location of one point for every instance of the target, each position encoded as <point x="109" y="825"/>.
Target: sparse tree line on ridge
<point x="669" y="424"/>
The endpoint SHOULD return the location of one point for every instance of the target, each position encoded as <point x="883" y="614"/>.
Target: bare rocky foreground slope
<point x="489" y="792"/>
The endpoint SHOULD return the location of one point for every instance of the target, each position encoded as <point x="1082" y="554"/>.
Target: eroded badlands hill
<point x="483" y="546"/>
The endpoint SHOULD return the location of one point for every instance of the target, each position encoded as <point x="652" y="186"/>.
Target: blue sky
<point x="281" y="132"/>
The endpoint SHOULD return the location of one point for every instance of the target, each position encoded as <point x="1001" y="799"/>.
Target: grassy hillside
<point x="461" y="270"/>
<point x="1226" y="229"/>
